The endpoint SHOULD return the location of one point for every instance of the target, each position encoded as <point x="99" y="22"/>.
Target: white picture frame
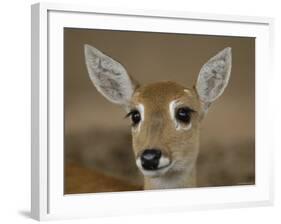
<point x="48" y="201"/>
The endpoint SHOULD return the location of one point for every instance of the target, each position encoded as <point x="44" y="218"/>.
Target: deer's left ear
<point x="213" y="77"/>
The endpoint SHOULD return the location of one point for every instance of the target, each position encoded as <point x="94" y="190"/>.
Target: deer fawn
<point x="165" y="116"/>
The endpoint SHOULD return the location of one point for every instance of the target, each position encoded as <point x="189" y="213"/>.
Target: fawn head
<point x="165" y="115"/>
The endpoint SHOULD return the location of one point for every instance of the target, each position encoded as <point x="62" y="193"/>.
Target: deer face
<point x="165" y="116"/>
<point x="165" y="124"/>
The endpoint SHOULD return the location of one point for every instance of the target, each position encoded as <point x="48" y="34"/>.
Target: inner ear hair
<point x="213" y="77"/>
<point x="109" y="76"/>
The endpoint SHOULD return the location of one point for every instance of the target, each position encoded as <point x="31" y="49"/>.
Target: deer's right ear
<point x="109" y="76"/>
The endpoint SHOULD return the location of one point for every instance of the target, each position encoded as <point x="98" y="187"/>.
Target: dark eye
<point x="183" y="114"/>
<point x="135" y="116"/>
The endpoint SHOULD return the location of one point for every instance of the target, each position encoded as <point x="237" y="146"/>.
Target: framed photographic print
<point x="148" y="111"/>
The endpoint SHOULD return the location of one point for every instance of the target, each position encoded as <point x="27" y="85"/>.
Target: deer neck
<point x="182" y="179"/>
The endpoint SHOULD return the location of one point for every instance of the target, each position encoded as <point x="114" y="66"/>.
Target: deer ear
<point x="109" y="76"/>
<point x="213" y="77"/>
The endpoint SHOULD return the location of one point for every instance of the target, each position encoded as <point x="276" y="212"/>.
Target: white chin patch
<point x="163" y="167"/>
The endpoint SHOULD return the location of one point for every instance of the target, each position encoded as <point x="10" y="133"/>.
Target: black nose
<point x="150" y="159"/>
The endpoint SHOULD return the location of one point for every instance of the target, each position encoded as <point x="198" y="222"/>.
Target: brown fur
<point x="158" y="129"/>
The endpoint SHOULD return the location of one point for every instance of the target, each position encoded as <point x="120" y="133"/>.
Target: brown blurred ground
<point x="97" y="138"/>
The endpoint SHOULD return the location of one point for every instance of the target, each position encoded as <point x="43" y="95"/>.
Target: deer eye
<point x="135" y="116"/>
<point x="183" y="114"/>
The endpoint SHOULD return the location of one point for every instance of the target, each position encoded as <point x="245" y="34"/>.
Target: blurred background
<point x="98" y="151"/>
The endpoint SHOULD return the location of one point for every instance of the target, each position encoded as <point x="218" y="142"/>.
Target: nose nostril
<point x="150" y="159"/>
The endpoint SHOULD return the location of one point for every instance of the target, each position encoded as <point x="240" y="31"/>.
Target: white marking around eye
<point x="140" y="108"/>
<point x="187" y="127"/>
<point x="172" y="106"/>
<point x="187" y="91"/>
